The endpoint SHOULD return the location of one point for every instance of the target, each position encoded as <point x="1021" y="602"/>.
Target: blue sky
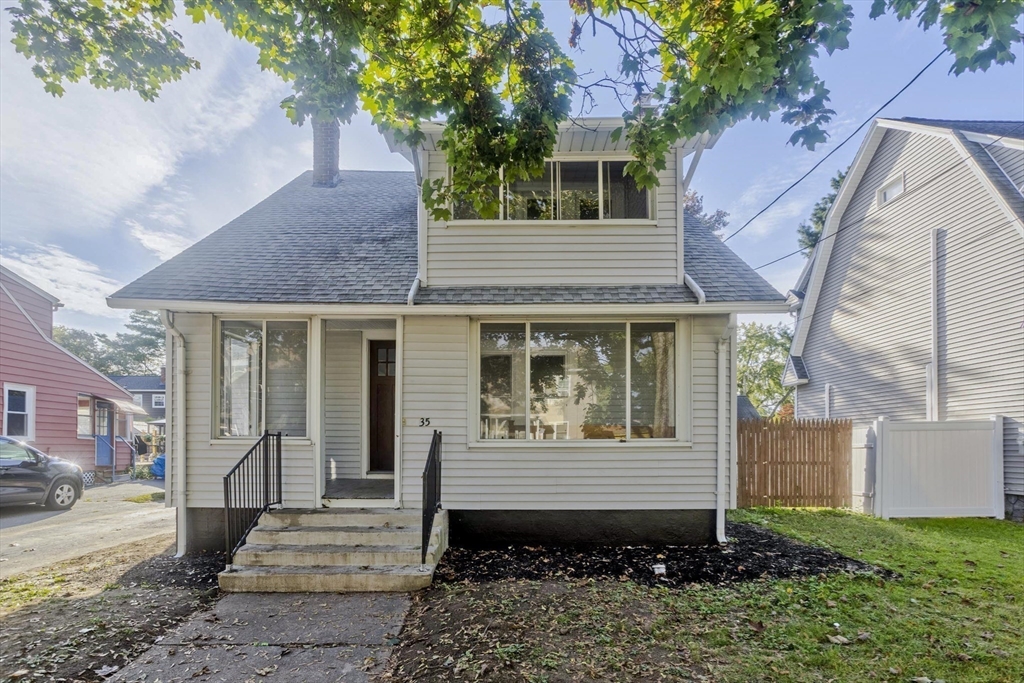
<point x="98" y="187"/>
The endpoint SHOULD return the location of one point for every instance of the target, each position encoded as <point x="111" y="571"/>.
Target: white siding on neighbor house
<point x="343" y="350"/>
<point x="554" y="253"/>
<point x="870" y="336"/>
<point x="210" y="459"/>
<point x="1011" y="161"/>
<point x="532" y="476"/>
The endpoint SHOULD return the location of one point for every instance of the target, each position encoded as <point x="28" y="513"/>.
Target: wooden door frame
<point x="364" y="431"/>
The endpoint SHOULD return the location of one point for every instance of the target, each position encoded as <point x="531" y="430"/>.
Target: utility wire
<point x="837" y="147"/>
<point x="952" y="167"/>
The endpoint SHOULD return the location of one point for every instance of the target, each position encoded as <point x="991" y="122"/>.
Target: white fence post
<point x="999" y="501"/>
<point x="880" y="448"/>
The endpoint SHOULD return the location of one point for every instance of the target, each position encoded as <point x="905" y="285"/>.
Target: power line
<point x="955" y="165"/>
<point x="837" y="147"/>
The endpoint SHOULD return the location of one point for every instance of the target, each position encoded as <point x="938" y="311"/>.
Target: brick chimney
<point x="163" y="375"/>
<point x="325" y="152"/>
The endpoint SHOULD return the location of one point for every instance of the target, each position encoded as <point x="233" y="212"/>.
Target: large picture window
<point x="570" y="191"/>
<point x="263" y="377"/>
<point x="575" y="381"/>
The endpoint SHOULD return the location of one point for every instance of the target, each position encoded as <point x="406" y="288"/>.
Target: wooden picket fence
<point x="801" y="463"/>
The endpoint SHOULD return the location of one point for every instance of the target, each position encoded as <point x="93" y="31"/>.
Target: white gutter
<point x="413" y="291"/>
<point x="178" y="423"/>
<point x="721" y="492"/>
<point x="695" y="288"/>
<point x="364" y="311"/>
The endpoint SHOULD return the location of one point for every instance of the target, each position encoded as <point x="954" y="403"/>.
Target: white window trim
<point x="137" y="399"/>
<point x="92" y="417"/>
<point x="215" y="436"/>
<point x="684" y="389"/>
<point x="652" y="199"/>
<point x="901" y="177"/>
<point x="30" y="410"/>
<point x="163" y="399"/>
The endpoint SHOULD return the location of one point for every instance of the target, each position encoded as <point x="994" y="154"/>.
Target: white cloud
<point x="163" y="243"/>
<point x="79" y="284"/>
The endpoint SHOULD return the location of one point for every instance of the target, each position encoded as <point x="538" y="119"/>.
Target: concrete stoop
<point x="336" y="550"/>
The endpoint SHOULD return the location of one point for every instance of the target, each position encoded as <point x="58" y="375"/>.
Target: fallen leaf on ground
<point x="838" y="640"/>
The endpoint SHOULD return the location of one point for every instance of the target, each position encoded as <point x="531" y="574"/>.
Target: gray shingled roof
<point x="353" y="243"/>
<point x="745" y="410"/>
<point x="140" y="382"/>
<point x="1010" y="129"/>
<point x="356" y="243"/>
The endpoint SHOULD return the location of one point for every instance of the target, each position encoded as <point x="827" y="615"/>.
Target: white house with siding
<point x="576" y="354"/>
<point x="912" y="306"/>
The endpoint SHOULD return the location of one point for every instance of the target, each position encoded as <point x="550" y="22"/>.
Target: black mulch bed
<point x="753" y="553"/>
<point x="198" y="570"/>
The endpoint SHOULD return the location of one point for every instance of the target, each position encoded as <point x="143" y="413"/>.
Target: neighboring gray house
<point x="577" y="353"/>
<point x="149" y="392"/>
<point x="912" y="305"/>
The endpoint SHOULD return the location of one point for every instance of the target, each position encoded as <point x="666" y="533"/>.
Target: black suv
<point x="28" y="476"/>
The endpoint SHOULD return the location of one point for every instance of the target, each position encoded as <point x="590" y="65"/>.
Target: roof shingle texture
<point x="1009" y="129"/>
<point x="140" y="382"/>
<point x="356" y="243"/>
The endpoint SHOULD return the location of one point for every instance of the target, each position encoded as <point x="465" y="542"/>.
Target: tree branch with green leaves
<point x="496" y="74"/>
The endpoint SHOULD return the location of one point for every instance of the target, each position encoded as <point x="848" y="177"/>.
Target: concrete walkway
<point x="278" y="638"/>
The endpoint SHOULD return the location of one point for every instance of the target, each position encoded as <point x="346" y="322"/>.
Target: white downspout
<point x="695" y="288"/>
<point x="932" y="396"/>
<point x="724" y="398"/>
<point x="413" y="291"/>
<point x="178" y="422"/>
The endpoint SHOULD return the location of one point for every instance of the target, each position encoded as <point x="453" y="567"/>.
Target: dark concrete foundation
<point x="499" y="528"/>
<point x="205" y="529"/>
<point x="1015" y="507"/>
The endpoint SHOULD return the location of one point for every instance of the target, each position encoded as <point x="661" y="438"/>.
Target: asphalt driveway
<point x="32" y="536"/>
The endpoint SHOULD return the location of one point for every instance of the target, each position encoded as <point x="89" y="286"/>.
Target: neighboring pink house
<point x="51" y="398"/>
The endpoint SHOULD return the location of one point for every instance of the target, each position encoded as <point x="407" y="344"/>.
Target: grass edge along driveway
<point x="956" y="614"/>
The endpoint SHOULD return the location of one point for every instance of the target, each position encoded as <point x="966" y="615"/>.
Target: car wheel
<point x="62" y="496"/>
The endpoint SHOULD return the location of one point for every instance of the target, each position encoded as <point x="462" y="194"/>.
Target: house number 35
<point x="424" y="422"/>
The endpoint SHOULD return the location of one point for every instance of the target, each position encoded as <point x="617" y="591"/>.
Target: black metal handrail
<point x="431" y="491"/>
<point x="250" y="488"/>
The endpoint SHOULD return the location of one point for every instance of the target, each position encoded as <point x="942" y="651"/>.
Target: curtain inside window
<point x="286" y="377"/>
<point x="241" y="363"/>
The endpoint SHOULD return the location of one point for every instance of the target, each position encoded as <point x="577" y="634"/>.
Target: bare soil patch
<point x="76" y="620"/>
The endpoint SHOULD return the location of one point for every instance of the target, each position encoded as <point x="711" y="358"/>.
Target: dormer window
<point x="592" y="190"/>
<point x="891" y="190"/>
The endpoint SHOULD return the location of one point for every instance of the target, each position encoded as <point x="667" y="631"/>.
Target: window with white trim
<point x="85" y="416"/>
<point x="20" y="411"/>
<point x="137" y="399"/>
<point x="591" y="190"/>
<point x="577" y="381"/>
<point x="891" y="190"/>
<point x="263" y="369"/>
<point x="159" y="400"/>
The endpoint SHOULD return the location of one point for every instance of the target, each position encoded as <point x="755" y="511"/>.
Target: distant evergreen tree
<point x="808" y="234"/>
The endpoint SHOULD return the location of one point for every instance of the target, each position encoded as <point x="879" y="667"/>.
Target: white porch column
<point x="316" y="405"/>
<point x="399" y="369"/>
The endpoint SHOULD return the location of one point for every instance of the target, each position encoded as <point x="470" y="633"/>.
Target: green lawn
<point x="957" y="614"/>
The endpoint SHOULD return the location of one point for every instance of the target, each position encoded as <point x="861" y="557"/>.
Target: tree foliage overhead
<point x="809" y="232"/>
<point x="138" y="351"/>
<point x="760" y="361"/>
<point x="496" y="73"/>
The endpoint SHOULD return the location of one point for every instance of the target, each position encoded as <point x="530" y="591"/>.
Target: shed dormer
<point x="582" y="223"/>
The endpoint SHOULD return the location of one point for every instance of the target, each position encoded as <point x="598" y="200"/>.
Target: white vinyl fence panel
<point x="939" y="469"/>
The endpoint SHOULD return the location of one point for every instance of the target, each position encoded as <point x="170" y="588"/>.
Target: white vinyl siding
<point x="436" y="385"/>
<point x="1011" y="161"/>
<point x="870" y="337"/>
<point x="342" y="413"/>
<point x="555" y="253"/>
<point x="209" y="460"/>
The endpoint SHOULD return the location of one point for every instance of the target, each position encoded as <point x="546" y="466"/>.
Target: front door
<point x="383" y="365"/>
<point x="104" y="434"/>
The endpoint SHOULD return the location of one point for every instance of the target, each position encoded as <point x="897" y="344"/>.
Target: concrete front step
<point x="342" y="517"/>
<point x="335" y="535"/>
<point x="314" y="579"/>
<point x="252" y="555"/>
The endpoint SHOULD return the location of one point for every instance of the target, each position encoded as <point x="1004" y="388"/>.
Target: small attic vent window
<point x="891" y="190"/>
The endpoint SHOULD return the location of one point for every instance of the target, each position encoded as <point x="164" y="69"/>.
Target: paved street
<point x="32" y="536"/>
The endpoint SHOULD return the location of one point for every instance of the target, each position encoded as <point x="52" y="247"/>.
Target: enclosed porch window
<point x="263" y="377"/>
<point x="577" y="381"/>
